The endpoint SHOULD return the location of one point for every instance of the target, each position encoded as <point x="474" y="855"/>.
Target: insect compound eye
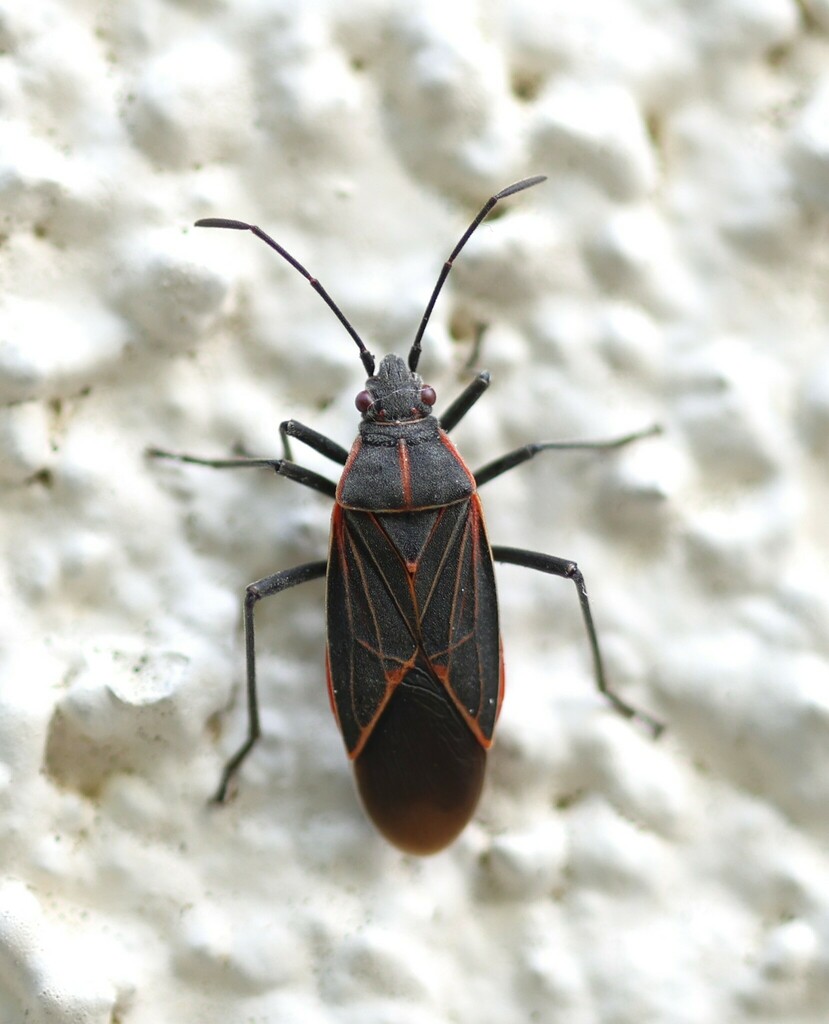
<point x="364" y="401"/>
<point x="428" y="395"/>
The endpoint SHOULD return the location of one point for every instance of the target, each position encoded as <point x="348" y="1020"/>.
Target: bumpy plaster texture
<point x="673" y="269"/>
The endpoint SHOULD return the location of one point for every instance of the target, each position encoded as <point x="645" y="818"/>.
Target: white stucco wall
<point x="673" y="269"/>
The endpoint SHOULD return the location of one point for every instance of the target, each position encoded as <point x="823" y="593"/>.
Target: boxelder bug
<point x="414" y="663"/>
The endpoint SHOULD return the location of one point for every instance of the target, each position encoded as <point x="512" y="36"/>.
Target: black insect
<point x="414" y="660"/>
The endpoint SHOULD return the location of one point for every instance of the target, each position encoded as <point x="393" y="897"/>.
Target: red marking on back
<point x="405" y="472"/>
<point x="444" y="438"/>
<point x="352" y="455"/>
<point x="393" y="680"/>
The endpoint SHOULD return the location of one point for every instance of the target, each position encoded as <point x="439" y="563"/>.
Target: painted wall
<point x="673" y="269"/>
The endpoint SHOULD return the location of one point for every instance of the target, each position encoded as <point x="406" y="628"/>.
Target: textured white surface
<point x="673" y="269"/>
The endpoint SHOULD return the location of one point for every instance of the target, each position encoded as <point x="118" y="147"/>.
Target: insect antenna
<point x="518" y="186"/>
<point x="240" y="225"/>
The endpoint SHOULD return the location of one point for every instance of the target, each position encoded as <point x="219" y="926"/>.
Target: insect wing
<point x="460" y="617"/>
<point x="411" y="595"/>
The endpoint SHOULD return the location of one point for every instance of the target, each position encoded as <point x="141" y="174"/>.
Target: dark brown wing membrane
<point x="405" y="591"/>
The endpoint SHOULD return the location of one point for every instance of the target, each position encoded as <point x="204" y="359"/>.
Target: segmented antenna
<point x="365" y="355"/>
<point x="240" y="225"/>
<point x="518" y="186"/>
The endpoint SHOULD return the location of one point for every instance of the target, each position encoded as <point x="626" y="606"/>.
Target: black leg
<point x="570" y="571"/>
<point x="529" y="451"/>
<point x="314" y="439"/>
<point x="290" y="470"/>
<point x="241" y="462"/>
<point x="465" y="400"/>
<point x="255" y="592"/>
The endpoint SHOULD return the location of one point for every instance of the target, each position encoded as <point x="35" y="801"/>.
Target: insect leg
<point x="529" y="451"/>
<point x="313" y="438"/>
<point x="255" y="592"/>
<point x="281" y="467"/>
<point x="465" y="400"/>
<point x="569" y="570"/>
